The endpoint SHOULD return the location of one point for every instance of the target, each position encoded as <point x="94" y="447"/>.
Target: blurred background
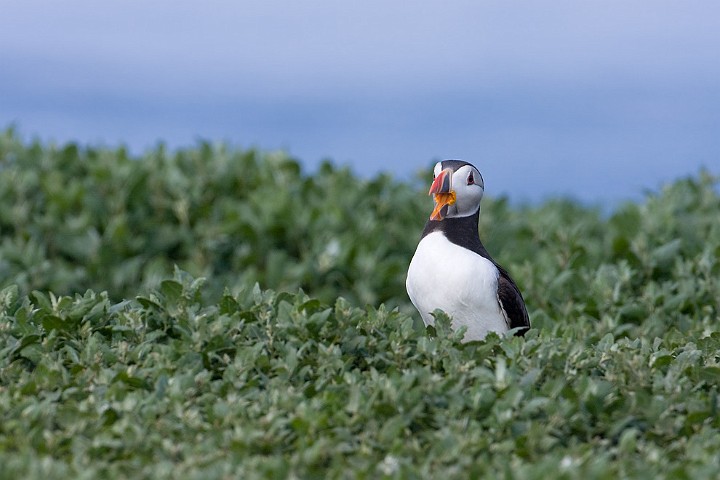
<point x="596" y="100"/>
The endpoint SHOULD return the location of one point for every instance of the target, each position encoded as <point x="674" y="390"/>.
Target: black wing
<point x="512" y="303"/>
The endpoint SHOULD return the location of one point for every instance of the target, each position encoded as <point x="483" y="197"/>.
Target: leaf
<point x="149" y="303"/>
<point x="171" y="290"/>
<point x="228" y="305"/>
<point x="42" y="301"/>
<point x="660" y="359"/>
<point x="53" y="322"/>
<point x="8" y="296"/>
<point x="311" y="306"/>
<point x="667" y="252"/>
<point x="131" y="381"/>
<point x="632" y="313"/>
<point x="710" y="374"/>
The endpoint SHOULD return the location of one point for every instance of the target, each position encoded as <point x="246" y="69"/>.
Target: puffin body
<point x="451" y="269"/>
<point x="468" y="295"/>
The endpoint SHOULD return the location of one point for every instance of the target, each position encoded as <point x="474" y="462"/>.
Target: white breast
<point x="458" y="281"/>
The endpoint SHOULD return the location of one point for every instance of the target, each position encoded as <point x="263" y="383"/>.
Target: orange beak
<point x="443" y="194"/>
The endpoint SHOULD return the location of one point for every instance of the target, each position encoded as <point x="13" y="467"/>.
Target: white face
<point x="469" y="187"/>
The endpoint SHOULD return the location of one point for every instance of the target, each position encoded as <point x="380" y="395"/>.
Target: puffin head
<point x="457" y="189"/>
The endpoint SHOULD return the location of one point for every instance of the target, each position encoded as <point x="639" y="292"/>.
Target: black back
<point x="463" y="231"/>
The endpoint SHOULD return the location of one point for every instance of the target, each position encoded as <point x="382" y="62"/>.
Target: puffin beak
<point x="443" y="194"/>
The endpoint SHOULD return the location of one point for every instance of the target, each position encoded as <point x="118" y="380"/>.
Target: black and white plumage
<point x="451" y="269"/>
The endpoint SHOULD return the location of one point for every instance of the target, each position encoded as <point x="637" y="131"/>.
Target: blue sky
<point x="598" y="100"/>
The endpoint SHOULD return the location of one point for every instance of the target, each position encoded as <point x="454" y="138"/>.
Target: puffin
<point x="452" y="271"/>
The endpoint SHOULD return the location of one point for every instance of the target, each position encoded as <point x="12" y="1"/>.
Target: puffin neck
<point x="462" y="231"/>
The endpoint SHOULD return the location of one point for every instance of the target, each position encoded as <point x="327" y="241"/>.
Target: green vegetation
<point x="139" y="337"/>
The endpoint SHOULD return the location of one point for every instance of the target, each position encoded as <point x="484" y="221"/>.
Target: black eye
<point x="471" y="179"/>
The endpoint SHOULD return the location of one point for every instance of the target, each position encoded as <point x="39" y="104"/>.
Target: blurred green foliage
<point x="114" y="363"/>
<point x="83" y="218"/>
